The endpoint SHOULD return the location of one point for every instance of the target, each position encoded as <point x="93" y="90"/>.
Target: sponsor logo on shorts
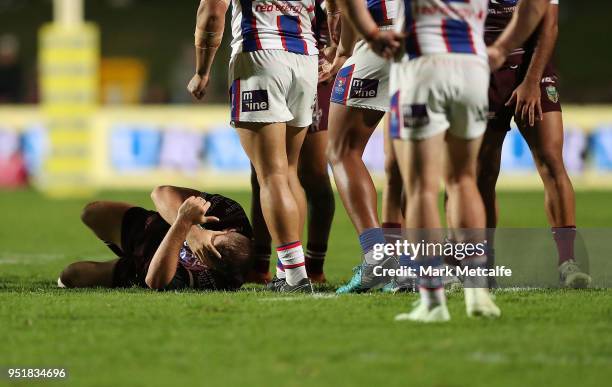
<point x="552" y="93"/>
<point x="548" y="80"/>
<point x="255" y="100"/>
<point x="482" y="113"/>
<point x="364" y="88"/>
<point x="415" y="115"/>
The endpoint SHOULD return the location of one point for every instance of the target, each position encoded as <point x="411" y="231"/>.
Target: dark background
<point x="160" y="33"/>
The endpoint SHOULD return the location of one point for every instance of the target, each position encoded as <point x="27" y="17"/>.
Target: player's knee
<point x="90" y="213"/>
<point x="158" y="192"/>
<point x="392" y="173"/>
<point x="460" y="181"/>
<point x="487" y="175"/>
<point x="335" y="151"/>
<point x="68" y="276"/>
<point x="551" y="165"/>
<point x="271" y="179"/>
<point x="314" y="181"/>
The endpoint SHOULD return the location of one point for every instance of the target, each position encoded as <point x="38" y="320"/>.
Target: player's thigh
<point x="105" y="219"/>
<point x="265" y="145"/>
<point x="350" y="128"/>
<point x="85" y="274"/>
<point x="313" y="156"/>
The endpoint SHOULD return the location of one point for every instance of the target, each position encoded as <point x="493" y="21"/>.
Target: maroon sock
<point x="564" y="239"/>
<point x="391" y="225"/>
<point x="315" y="258"/>
<point x="261" y="259"/>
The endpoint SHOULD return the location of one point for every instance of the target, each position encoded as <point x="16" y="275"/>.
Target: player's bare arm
<point x="210" y="22"/>
<point x="168" y="200"/>
<point x="528" y="95"/>
<point x="527" y="17"/>
<point x="165" y="260"/>
<point x="333" y="20"/>
<point x="384" y="43"/>
<point x="348" y="38"/>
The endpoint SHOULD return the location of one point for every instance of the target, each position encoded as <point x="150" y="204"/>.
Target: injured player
<point x="193" y="240"/>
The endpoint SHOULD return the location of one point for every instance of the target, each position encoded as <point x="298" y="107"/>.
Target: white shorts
<point x="363" y="81"/>
<point x="273" y="86"/>
<point x="438" y="93"/>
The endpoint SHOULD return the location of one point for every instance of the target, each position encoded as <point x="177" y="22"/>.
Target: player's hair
<point x="235" y="249"/>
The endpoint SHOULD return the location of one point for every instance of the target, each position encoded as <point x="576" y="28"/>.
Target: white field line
<point x="299" y="298"/>
<point x="15" y="258"/>
<point x="538" y="358"/>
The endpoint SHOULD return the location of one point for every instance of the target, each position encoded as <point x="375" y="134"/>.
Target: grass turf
<point x="250" y="338"/>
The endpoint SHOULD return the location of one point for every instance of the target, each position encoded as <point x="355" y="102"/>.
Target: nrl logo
<point x="552" y="93"/>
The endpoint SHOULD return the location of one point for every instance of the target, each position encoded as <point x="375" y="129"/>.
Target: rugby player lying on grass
<point x="193" y="240"/>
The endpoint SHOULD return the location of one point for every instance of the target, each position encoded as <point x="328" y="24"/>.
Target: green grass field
<point x="251" y="338"/>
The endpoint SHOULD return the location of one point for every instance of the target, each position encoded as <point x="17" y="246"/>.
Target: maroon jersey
<point x="499" y="16"/>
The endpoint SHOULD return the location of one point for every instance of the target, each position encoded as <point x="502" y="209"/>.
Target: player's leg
<point x="468" y="214"/>
<point x="262" y="241"/>
<point x="465" y="204"/>
<point x="105" y="219"/>
<point x="350" y="129"/>
<point x="392" y="196"/>
<point x="467" y="114"/>
<point x="274" y="152"/>
<point x="546" y="143"/>
<point x="314" y="176"/>
<point x="88" y="274"/>
<point x="487" y="172"/>
<point x="422" y="173"/>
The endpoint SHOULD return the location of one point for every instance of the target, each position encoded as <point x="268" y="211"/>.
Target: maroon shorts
<point x="321" y="110"/>
<point x="505" y="80"/>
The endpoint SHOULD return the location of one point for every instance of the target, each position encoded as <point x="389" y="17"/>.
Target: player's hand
<point x="197" y="85"/>
<point x="386" y="43"/>
<point x="497" y="57"/>
<point x="328" y="72"/>
<point x="193" y="210"/>
<point x="528" y="100"/>
<point x="202" y="243"/>
<point x="334" y="26"/>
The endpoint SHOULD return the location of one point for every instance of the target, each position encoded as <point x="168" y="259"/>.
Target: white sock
<point x="292" y="257"/>
<point x="432" y="297"/>
<point x="280" y="270"/>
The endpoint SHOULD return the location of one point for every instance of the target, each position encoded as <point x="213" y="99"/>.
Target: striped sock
<point x="280" y="270"/>
<point x="368" y="239"/>
<point x="431" y="288"/>
<point x="291" y="256"/>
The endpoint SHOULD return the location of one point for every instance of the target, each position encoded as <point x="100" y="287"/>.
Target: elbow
<point x="155" y="283"/>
